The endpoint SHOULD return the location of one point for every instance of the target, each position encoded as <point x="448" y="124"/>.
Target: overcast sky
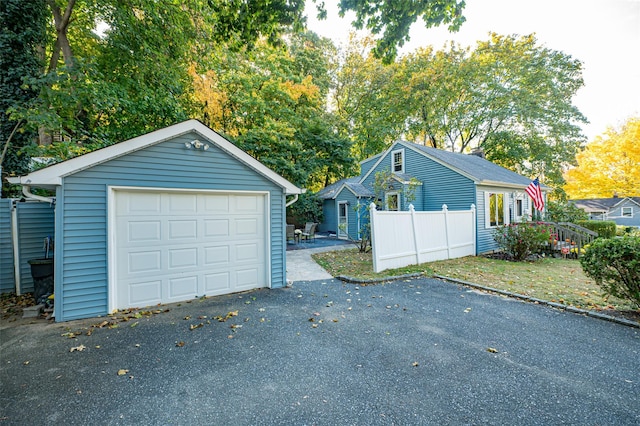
<point x="603" y="34"/>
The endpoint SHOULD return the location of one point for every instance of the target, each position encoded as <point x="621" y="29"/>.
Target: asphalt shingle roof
<point x="479" y="168"/>
<point x="352" y="183"/>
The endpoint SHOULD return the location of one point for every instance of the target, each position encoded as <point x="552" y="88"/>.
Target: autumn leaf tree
<point x="608" y="165"/>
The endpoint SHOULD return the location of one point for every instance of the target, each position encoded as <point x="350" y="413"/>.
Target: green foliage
<point x="394" y="18"/>
<point x="622" y="230"/>
<point x="22" y="24"/>
<point x="562" y="211"/>
<point x="604" y="228"/>
<point x="384" y="180"/>
<point x="614" y="264"/>
<point x="509" y="96"/>
<point x="520" y="240"/>
<point x="308" y="208"/>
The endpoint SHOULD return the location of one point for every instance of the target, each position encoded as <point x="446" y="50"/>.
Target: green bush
<point x="559" y="211"/>
<point x="614" y="264"/>
<point x="308" y="208"/>
<point x="604" y="228"/>
<point x="522" y="239"/>
<point x="622" y="230"/>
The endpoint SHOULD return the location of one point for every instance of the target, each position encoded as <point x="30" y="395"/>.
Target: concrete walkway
<point x="301" y="267"/>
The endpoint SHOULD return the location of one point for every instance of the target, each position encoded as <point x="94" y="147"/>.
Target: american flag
<point x="536" y="194"/>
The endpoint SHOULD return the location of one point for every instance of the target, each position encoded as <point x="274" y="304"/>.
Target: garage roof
<point x="51" y="176"/>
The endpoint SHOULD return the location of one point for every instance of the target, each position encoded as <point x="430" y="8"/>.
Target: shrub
<point x="614" y="264"/>
<point x="604" y="228"/>
<point x="522" y="239"/>
<point x="559" y="211"/>
<point x="308" y="208"/>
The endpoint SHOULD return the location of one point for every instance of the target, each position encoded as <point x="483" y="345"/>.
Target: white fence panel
<point x="406" y="238"/>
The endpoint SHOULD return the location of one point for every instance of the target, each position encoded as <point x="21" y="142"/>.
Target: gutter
<point x="26" y="190"/>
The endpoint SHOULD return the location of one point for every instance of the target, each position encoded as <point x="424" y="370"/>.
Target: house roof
<point x="352" y="183"/>
<point x="52" y="176"/>
<point x="478" y="169"/>
<point x="599" y="205"/>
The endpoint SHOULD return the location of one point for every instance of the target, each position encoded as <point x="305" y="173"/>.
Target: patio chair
<point x="291" y="235"/>
<point x="309" y="231"/>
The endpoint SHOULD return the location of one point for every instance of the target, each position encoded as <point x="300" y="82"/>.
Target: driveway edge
<point x="561" y="306"/>
<point x="568" y="308"/>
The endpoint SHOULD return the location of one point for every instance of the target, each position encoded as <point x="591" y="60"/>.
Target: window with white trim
<point x="392" y="201"/>
<point x="495" y="209"/>
<point x="397" y="161"/>
<point x="627" y="212"/>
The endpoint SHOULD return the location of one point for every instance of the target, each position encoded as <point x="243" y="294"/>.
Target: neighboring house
<point x="168" y="216"/>
<point x="457" y="180"/>
<point x="623" y="211"/>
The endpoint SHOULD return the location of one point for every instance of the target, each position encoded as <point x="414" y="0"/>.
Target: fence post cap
<point x="411" y="208"/>
<point x="372" y="206"/>
<point x="444" y="207"/>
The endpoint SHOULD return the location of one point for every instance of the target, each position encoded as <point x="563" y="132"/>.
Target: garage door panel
<point x="182" y="258"/>
<point x="217" y="283"/>
<point x="247" y="278"/>
<point x="182" y="288"/>
<point x="216" y="256"/>
<point x="218" y="204"/>
<point x="144" y="261"/>
<point x="144" y="293"/>
<point x="187" y="245"/>
<point x="216" y="227"/>
<point x="144" y="231"/>
<point x="181" y="203"/>
<point x="143" y="203"/>
<point x="182" y="230"/>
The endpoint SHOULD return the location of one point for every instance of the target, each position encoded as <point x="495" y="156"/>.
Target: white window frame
<point x="393" y="161"/>
<point x="519" y="199"/>
<point x="487" y="208"/>
<point x="626" y="209"/>
<point x="387" y="196"/>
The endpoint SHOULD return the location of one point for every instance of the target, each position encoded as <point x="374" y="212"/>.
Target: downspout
<point x="295" y="198"/>
<point x="16" y="249"/>
<point x="26" y="190"/>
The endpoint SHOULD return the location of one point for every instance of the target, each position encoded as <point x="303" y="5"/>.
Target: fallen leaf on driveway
<point x="492" y="350"/>
<point x="194" y="326"/>
<point x="415" y="364"/>
<point x="180" y="344"/>
<point x="78" y="348"/>
<point x="122" y="372"/>
<point x="466" y="311"/>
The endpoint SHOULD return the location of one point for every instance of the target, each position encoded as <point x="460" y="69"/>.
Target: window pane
<point x="500" y="212"/>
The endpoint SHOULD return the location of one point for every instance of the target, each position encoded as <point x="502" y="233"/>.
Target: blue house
<point x="165" y="217"/>
<point x="624" y="211"/>
<point x="438" y="177"/>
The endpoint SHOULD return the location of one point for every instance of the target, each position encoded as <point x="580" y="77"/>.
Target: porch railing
<point x="569" y="238"/>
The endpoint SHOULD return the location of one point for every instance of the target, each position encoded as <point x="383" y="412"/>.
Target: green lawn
<point x="556" y="280"/>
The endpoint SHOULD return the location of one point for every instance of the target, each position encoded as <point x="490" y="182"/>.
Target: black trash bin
<point x="42" y="273"/>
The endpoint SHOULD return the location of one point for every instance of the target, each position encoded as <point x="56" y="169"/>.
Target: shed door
<point x="174" y="246"/>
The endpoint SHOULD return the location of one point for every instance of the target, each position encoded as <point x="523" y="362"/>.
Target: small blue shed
<point x="165" y="217"/>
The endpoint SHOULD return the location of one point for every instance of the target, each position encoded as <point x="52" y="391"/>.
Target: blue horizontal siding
<point x="7" y="279"/>
<point x="35" y="222"/>
<point x="83" y="221"/>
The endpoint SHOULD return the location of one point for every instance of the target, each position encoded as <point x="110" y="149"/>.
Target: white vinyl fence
<point x="409" y="237"/>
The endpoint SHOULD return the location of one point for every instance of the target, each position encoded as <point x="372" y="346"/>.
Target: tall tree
<point x="22" y="36"/>
<point x="365" y="100"/>
<point x="609" y="165"/>
<point x="394" y="18"/>
<point x="508" y="96"/>
<point x="100" y="89"/>
<point x="267" y="101"/>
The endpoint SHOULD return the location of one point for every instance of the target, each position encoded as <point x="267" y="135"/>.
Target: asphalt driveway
<point x="324" y="352"/>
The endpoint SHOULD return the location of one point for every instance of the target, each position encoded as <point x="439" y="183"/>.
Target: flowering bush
<point x="523" y="239"/>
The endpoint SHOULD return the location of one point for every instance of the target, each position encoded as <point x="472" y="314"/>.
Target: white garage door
<point x="174" y="246"/>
